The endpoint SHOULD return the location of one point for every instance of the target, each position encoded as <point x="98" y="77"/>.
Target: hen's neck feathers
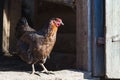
<point x="49" y="30"/>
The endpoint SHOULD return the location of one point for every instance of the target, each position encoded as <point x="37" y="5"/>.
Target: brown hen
<point x="34" y="47"/>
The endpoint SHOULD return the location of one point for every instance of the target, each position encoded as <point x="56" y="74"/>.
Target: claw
<point x="32" y="73"/>
<point x="35" y="73"/>
<point x="45" y="70"/>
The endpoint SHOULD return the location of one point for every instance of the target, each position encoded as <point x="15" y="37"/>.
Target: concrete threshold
<point x="57" y="75"/>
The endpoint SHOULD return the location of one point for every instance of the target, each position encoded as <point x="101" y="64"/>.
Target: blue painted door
<point x="98" y="32"/>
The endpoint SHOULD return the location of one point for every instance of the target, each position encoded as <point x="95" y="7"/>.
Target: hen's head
<point x="56" y="22"/>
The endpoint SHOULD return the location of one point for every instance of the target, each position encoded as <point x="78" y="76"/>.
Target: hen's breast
<point x="43" y="47"/>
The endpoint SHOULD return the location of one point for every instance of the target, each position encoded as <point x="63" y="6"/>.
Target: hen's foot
<point x="34" y="73"/>
<point x="47" y="72"/>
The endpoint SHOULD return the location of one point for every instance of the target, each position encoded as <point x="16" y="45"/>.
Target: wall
<point x="11" y="14"/>
<point x="28" y="11"/>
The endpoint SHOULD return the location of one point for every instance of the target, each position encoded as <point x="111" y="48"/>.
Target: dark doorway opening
<point x="1" y="23"/>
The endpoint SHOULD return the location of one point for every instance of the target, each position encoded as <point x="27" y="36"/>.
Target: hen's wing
<point x="27" y="44"/>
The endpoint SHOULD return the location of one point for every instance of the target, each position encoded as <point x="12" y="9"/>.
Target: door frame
<point x="86" y="36"/>
<point x="83" y="30"/>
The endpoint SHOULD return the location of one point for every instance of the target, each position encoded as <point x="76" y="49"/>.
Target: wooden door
<point x="112" y="39"/>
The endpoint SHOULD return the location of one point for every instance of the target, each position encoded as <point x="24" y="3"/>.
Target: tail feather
<point x="22" y="21"/>
<point x="22" y="27"/>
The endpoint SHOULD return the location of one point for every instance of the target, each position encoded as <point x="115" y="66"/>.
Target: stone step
<point x="58" y="75"/>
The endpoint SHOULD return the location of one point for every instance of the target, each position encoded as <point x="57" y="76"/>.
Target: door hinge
<point x="100" y="41"/>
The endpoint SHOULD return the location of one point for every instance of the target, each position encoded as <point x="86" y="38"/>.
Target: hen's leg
<point x="44" y="68"/>
<point x="42" y="65"/>
<point x="33" y="69"/>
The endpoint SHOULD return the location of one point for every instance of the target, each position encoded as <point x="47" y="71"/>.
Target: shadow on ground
<point x="57" y="62"/>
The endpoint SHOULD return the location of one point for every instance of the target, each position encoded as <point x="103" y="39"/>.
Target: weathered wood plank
<point x="68" y="40"/>
<point x="6" y="28"/>
<point x="112" y="48"/>
<point x="11" y="14"/>
<point x="82" y="34"/>
<point x="15" y="14"/>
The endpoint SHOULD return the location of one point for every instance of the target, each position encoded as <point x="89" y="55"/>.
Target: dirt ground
<point x="12" y="68"/>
